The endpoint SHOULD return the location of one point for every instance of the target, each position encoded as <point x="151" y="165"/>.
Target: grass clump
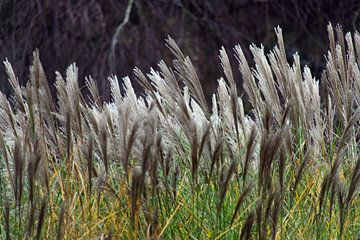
<point x="165" y="165"/>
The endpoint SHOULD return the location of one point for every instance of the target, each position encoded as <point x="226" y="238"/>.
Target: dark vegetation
<point x="83" y="31"/>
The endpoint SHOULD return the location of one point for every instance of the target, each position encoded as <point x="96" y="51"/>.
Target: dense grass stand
<point x="166" y="165"/>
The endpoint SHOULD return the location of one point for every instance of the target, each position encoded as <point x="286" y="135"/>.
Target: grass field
<point x="165" y="165"/>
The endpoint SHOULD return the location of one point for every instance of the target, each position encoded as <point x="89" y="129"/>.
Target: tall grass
<point x="165" y="165"/>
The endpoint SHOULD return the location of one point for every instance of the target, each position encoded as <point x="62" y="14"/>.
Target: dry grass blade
<point x="342" y="209"/>
<point x="30" y="224"/>
<point x="41" y="218"/>
<point x="187" y="73"/>
<point x="225" y="63"/>
<point x="146" y="155"/>
<point x="68" y="136"/>
<point x="129" y="145"/>
<point x="249" y="85"/>
<point x="259" y="218"/>
<point x="266" y="81"/>
<point x="267" y="120"/>
<point x="61" y="222"/>
<point x="246" y="229"/>
<point x="333" y="192"/>
<point x="171" y="80"/>
<point x="347" y="134"/>
<point x="205" y="138"/>
<point x="6" y="214"/>
<point x="268" y="148"/>
<point x="249" y="152"/>
<point x="194" y="155"/>
<point x="104" y="146"/>
<point x="135" y="192"/>
<point x="4" y="155"/>
<point x="354" y="182"/>
<point x="18" y="173"/>
<point x="286" y="114"/>
<point x="147" y="86"/>
<point x="282" y="159"/>
<point x="33" y="166"/>
<point x="94" y="92"/>
<point x="216" y="156"/>
<point x="176" y="175"/>
<point x="266" y="215"/>
<point x="300" y="171"/>
<point x="275" y="213"/>
<point x="224" y="184"/>
<point x="154" y="166"/>
<point x="8" y="122"/>
<point x="19" y="101"/>
<point x="325" y="185"/>
<point x="240" y="201"/>
<point x="37" y="75"/>
<point x="331" y="36"/>
<point x="89" y="158"/>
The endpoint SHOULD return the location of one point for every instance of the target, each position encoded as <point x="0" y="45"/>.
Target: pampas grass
<point x="166" y="164"/>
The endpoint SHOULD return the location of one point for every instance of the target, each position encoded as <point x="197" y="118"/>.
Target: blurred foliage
<point x="82" y="31"/>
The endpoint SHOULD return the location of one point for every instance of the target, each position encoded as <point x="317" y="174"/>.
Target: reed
<point x="166" y="164"/>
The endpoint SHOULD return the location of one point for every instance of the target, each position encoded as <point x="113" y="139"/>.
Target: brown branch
<point x="115" y="38"/>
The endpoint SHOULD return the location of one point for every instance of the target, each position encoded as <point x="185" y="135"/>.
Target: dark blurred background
<point x="85" y="32"/>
